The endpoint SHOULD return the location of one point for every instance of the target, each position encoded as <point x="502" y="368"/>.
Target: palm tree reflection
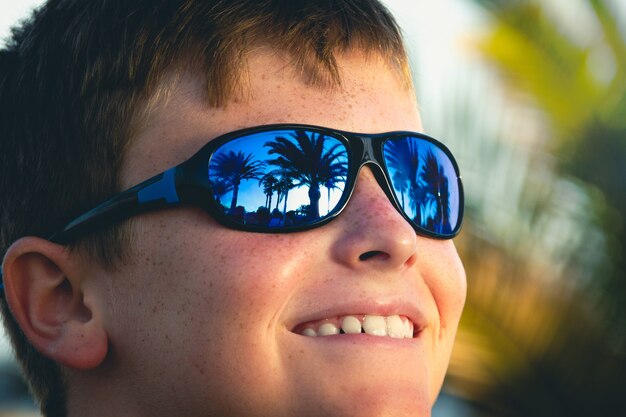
<point x="269" y="184"/>
<point x="424" y="181"/>
<point x="231" y="169"/>
<point x="305" y="158"/>
<point x="435" y="182"/>
<point x="292" y="160"/>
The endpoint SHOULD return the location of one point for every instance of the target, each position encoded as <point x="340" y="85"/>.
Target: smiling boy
<point x="181" y="296"/>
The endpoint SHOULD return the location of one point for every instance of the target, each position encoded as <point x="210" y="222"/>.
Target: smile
<point x="397" y="327"/>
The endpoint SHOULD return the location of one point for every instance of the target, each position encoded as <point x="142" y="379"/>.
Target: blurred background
<point x="531" y="97"/>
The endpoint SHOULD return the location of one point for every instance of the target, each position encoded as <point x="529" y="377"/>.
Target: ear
<point x="44" y="289"/>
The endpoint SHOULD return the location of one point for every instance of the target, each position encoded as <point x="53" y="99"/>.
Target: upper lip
<point x="370" y="307"/>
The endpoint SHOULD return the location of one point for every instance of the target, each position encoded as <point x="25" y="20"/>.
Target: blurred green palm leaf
<point x="566" y="77"/>
<point x="545" y="324"/>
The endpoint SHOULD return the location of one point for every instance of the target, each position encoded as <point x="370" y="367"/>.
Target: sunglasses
<point x="288" y="178"/>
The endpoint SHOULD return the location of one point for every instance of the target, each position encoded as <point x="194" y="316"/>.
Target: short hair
<point x="75" y="82"/>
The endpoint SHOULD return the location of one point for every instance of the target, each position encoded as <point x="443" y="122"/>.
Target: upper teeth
<point x="392" y="326"/>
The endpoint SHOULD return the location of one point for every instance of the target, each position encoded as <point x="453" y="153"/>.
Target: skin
<point x="200" y="322"/>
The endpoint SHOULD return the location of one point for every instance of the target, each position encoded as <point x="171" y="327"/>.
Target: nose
<point x="373" y="234"/>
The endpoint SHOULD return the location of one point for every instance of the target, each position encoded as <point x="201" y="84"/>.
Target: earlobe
<point x="43" y="289"/>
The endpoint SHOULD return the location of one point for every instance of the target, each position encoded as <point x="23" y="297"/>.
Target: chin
<point x="359" y="395"/>
<point x="369" y="403"/>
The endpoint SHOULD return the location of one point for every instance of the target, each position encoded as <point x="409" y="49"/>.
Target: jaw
<point x="359" y="375"/>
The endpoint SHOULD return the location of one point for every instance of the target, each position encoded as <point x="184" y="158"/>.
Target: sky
<point x="12" y="11"/>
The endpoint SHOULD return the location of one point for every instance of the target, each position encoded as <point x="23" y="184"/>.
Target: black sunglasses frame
<point x="188" y="184"/>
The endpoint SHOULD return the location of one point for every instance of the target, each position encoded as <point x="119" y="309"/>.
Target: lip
<point x="364" y="307"/>
<point x="359" y="343"/>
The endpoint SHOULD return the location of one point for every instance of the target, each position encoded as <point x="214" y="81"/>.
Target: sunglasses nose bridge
<point x="368" y="151"/>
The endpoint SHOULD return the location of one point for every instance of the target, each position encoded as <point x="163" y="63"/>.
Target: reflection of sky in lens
<point x="251" y="192"/>
<point x="251" y="196"/>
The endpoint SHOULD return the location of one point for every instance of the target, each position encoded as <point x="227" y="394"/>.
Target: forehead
<point x="373" y="97"/>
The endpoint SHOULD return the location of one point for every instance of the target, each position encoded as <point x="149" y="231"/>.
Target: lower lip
<point x="364" y="340"/>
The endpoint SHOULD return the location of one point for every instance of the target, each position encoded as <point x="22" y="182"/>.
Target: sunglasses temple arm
<point x="156" y="192"/>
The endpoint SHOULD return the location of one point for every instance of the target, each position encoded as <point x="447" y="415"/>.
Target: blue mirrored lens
<point x="425" y="183"/>
<point x="279" y="178"/>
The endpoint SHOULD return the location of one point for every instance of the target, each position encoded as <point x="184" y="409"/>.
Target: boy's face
<point x="202" y="321"/>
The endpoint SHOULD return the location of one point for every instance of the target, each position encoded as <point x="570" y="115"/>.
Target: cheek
<point x="226" y="283"/>
<point x="253" y="274"/>
<point x="446" y="281"/>
<point x="211" y="300"/>
<point x="444" y="276"/>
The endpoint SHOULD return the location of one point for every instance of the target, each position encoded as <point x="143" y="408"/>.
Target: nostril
<point x="373" y="254"/>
